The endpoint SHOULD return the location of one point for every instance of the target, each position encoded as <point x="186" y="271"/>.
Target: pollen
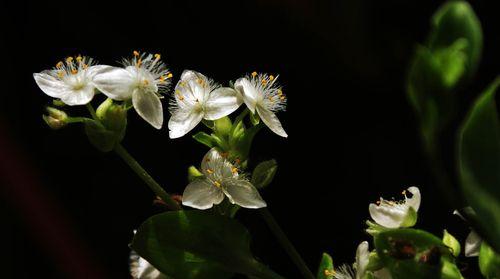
<point x="145" y="82"/>
<point x="264" y="81"/>
<point x="170" y="75"/>
<point x="59" y="64"/>
<point x="282" y="98"/>
<point x="74" y="71"/>
<point x="217" y="184"/>
<point x="210" y="171"/>
<point x="136" y="53"/>
<point x="157" y="56"/>
<point x="79" y="58"/>
<point x="69" y="59"/>
<point x="280" y="92"/>
<point x="329" y="272"/>
<point x="271" y="77"/>
<point x="60" y="74"/>
<point x="254" y="74"/>
<point x="85" y="66"/>
<point x="162" y="79"/>
<point x="234" y="170"/>
<point x="139" y="63"/>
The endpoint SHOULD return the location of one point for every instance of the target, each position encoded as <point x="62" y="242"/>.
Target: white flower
<point x="197" y="97"/>
<point x="220" y="178"/>
<point x="396" y="214"/>
<point x="472" y="244"/>
<point x="261" y="93"/>
<point x="71" y="81"/>
<point x="142" y="269"/>
<point x="143" y="80"/>
<point x="358" y="270"/>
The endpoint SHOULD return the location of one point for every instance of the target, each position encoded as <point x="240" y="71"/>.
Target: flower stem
<point x="91" y="111"/>
<point x="144" y="175"/>
<point x="285" y="243"/>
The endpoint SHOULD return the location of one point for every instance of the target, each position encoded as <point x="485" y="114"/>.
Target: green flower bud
<point x="449" y="270"/>
<point x="223" y="126"/>
<point x="113" y="117"/>
<point x="56" y="119"/>
<point x="194" y="173"/>
<point x="450" y="241"/>
<point x="374" y="262"/>
<point x="489" y="262"/>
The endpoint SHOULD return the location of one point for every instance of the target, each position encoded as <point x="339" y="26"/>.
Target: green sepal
<point x="263" y="174"/>
<point x="197" y="244"/>
<point x="254" y="118"/>
<point x="100" y="137"/>
<point x="489" y="262"/>
<point x="374" y="228"/>
<point x="194" y="173"/>
<point x="410" y="218"/>
<point x="325" y="269"/>
<point x="374" y="262"/>
<point x="205" y="139"/>
<point x="450" y="241"/>
<point x="114" y="117"/>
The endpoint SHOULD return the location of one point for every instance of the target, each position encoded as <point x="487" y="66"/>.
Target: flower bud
<point x="112" y="116"/>
<point x="56" y="119"/>
<point x="450" y="241"/>
<point x="194" y="173"/>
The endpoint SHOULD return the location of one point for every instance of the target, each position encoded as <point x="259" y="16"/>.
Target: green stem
<point x="285" y="243"/>
<point x="144" y="175"/>
<point x="91" y="111"/>
<point x="77" y="119"/>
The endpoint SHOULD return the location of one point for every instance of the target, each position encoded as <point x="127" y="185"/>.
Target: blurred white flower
<point x="142" y="269"/>
<point x="220" y="178"/>
<point x="71" y="80"/>
<point x="396" y="214"/>
<point x="197" y="97"/>
<point x="261" y="93"/>
<point x="358" y="270"/>
<point x="472" y="244"/>
<point x="143" y="79"/>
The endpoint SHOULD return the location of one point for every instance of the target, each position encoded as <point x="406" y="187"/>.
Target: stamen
<point x="264" y="82"/>
<point x="85" y="66"/>
<point x="282" y="98"/>
<point x="210" y="171"/>
<point x="224" y="154"/>
<point x="74" y="71"/>
<point x="271" y="77"/>
<point x="404" y="192"/>
<point x="217" y="184"/>
<point x="139" y="63"/>
<point x="69" y="59"/>
<point x="280" y="92"/>
<point x="59" y="64"/>
<point x="237" y="161"/>
<point x="234" y="170"/>
<point x="170" y="75"/>
<point x="254" y="74"/>
<point x="157" y="56"/>
<point x="60" y="74"/>
<point x="136" y="53"/>
<point x="145" y="82"/>
<point x="162" y="79"/>
<point x="329" y="272"/>
<point x="79" y="58"/>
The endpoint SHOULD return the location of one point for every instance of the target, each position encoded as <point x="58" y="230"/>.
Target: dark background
<point x="68" y="211"/>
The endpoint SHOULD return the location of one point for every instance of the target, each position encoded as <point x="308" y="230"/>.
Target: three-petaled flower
<point x="262" y="94"/>
<point x="143" y="79"/>
<point x="359" y="268"/>
<point x="197" y="97"/>
<point x="221" y="178"/>
<point x="72" y="81"/>
<point x="396" y="214"/>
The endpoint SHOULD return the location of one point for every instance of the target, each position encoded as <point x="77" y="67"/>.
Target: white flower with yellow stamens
<point x="197" y="97"/>
<point x="396" y="214"/>
<point x="71" y="80"/>
<point x="143" y="79"/>
<point x="261" y="93"/>
<point x="359" y="268"/>
<point x="220" y="178"/>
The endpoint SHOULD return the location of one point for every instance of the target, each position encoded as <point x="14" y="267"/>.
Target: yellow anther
<point x="210" y="171"/>
<point x="139" y="62"/>
<point x="60" y="74"/>
<point x="264" y="81"/>
<point x="136" y="53"/>
<point x="145" y="82"/>
<point x="85" y="66"/>
<point x="282" y="98"/>
<point x="329" y="272"/>
<point x="270" y="98"/>
<point x="234" y="170"/>
<point x="162" y="79"/>
<point x="79" y="58"/>
<point x="59" y="64"/>
<point x="170" y="75"/>
<point x="280" y="92"/>
<point x="157" y="56"/>
<point x="217" y="184"/>
<point x="254" y="74"/>
<point x="404" y="192"/>
<point x="271" y="77"/>
<point x="69" y="59"/>
<point x="74" y="71"/>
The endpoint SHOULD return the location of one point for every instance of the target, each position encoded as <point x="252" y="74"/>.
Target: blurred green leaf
<point x="325" y="270"/>
<point x="479" y="163"/>
<point x="412" y="254"/>
<point x="197" y="244"/>
<point x="489" y="262"/>
<point x="263" y="174"/>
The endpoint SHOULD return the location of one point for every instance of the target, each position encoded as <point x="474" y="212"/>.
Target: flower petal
<point x="202" y="194"/>
<point x="181" y="122"/>
<point x="96" y="69"/>
<point x="362" y="258"/>
<point x="213" y="164"/>
<point x="148" y="106"/>
<point x="221" y="102"/>
<point x="248" y="92"/>
<point x="387" y="216"/>
<point x="50" y="85"/>
<point x="79" y="97"/>
<point x="270" y="119"/>
<point x="142" y="269"/>
<point x="243" y="193"/>
<point x="114" y="82"/>
<point x="472" y="244"/>
<point x="414" y="201"/>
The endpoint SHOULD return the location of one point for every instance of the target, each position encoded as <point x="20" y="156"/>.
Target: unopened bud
<point x="56" y="119"/>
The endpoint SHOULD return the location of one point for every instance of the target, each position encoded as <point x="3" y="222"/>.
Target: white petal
<point x="243" y="193"/>
<point x="248" y="92"/>
<point x="221" y="102"/>
<point x="389" y="217"/>
<point x="96" y="69"/>
<point x="271" y="121"/>
<point x="79" y="97"/>
<point x="214" y="165"/>
<point x="181" y="122"/>
<point x="202" y="194"/>
<point x="414" y="201"/>
<point x="142" y="269"/>
<point x="148" y="106"/>
<point x="472" y="244"/>
<point x="50" y="85"/>
<point x="189" y="74"/>
<point x="362" y="257"/>
<point x="114" y="82"/>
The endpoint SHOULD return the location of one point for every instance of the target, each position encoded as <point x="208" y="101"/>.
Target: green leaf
<point x="489" y="262"/>
<point x="411" y="253"/>
<point x="263" y="173"/>
<point x="450" y="241"/>
<point x="223" y="126"/>
<point x="197" y="244"/>
<point x="205" y="139"/>
<point x="455" y="20"/>
<point x="479" y="164"/>
<point x="100" y="137"/>
<point x="325" y="270"/>
<point x="244" y="143"/>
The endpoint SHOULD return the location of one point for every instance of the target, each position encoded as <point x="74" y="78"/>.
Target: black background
<point x="68" y="211"/>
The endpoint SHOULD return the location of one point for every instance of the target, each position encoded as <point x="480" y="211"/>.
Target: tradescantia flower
<point x="142" y="269"/>
<point x="220" y="178"/>
<point x="72" y="81"/>
<point x="262" y="94"/>
<point x="197" y="97"/>
<point x="143" y="79"/>
<point x="359" y="268"/>
<point x="396" y="214"/>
